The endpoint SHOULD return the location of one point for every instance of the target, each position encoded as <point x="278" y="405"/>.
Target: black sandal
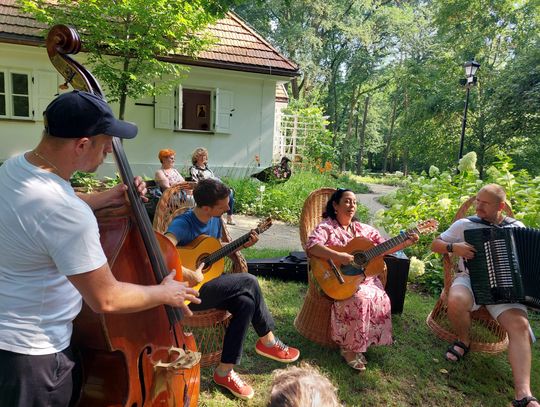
<point x="451" y="349"/>
<point x="524" y="402"/>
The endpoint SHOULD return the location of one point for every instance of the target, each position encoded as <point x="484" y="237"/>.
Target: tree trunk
<point x="295" y="89"/>
<point x="348" y="134"/>
<point x="362" y="139"/>
<point x="123" y="92"/>
<point x="405" y="161"/>
<point x="390" y="135"/>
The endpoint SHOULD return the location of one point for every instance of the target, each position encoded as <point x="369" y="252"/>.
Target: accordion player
<point x="505" y="268"/>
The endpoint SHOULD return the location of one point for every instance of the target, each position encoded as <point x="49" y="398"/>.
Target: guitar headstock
<point x="426" y="226"/>
<point x="264" y="225"/>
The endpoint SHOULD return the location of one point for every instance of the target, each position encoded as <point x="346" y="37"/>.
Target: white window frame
<point x="8" y="93"/>
<point x="42" y="88"/>
<point x="168" y="110"/>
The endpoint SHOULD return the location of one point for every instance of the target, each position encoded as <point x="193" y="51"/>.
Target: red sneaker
<point x="279" y="351"/>
<point x="235" y="385"/>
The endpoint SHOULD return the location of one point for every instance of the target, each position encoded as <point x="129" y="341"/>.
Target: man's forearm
<point x="95" y="200"/>
<point x="440" y="246"/>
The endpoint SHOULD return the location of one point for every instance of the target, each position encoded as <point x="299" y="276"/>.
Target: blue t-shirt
<point x="187" y="227"/>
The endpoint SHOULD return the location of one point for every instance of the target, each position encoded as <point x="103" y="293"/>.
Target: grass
<point x="411" y="372"/>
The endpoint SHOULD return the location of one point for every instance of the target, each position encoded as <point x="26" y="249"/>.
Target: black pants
<point x="240" y="294"/>
<point x="36" y="380"/>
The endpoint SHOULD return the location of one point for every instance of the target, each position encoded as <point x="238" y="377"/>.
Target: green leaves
<point x="439" y="196"/>
<point x="124" y="38"/>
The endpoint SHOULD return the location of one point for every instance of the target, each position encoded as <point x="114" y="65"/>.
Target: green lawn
<point x="412" y="372"/>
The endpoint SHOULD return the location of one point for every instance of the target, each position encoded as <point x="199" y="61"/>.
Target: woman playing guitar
<point x="363" y="319"/>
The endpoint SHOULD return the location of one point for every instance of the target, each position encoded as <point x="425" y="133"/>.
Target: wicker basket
<point x="208" y="326"/>
<point x="486" y="334"/>
<point x="313" y="321"/>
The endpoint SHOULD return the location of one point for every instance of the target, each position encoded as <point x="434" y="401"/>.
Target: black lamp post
<point x="470" y="80"/>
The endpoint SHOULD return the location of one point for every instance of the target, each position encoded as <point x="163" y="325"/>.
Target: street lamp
<point x="470" y="80"/>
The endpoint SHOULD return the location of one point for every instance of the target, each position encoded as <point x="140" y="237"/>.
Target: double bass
<point x="143" y="358"/>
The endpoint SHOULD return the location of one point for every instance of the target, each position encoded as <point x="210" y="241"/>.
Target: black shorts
<point x="36" y="380"/>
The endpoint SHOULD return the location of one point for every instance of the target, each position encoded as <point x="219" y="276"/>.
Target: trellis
<point x="290" y="135"/>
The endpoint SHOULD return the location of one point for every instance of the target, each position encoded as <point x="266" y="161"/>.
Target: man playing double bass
<point x="51" y="252"/>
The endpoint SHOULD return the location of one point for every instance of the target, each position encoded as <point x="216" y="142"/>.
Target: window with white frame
<point x="24" y="95"/>
<point x="15" y="94"/>
<point x="195" y="110"/>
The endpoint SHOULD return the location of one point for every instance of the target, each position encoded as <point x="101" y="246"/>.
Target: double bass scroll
<point x="137" y="359"/>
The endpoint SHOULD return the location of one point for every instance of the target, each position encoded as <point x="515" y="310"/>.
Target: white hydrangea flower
<point x="398" y="174"/>
<point x="468" y="162"/>
<point x="444" y="203"/>
<point x="433" y="171"/>
<point x="493" y="172"/>
<point x="416" y="268"/>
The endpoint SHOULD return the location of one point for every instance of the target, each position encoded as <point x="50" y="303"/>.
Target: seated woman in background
<point x="199" y="171"/>
<point x="363" y="319"/>
<point x="167" y="176"/>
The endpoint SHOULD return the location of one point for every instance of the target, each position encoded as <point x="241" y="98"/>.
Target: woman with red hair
<point x="167" y="176"/>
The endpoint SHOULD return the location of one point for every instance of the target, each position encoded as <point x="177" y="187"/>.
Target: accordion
<point x="505" y="268"/>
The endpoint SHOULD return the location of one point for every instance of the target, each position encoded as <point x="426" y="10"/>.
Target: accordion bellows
<point x="506" y="266"/>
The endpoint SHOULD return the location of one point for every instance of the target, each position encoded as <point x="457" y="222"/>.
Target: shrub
<point x="440" y="195"/>
<point x="284" y="201"/>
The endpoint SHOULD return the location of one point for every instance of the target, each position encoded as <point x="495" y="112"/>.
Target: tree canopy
<point x="387" y="74"/>
<point x="125" y="38"/>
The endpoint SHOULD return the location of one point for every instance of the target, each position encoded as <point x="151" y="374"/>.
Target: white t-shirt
<point x="46" y="234"/>
<point x="455" y="234"/>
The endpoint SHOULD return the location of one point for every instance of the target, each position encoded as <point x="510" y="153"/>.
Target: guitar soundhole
<point x="356" y="268"/>
<point x="360" y="259"/>
<point x="201" y="260"/>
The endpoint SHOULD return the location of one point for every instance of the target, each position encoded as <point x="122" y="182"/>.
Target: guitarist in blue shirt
<point x="238" y="293"/>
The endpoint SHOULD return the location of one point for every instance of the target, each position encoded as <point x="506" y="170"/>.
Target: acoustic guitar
<point x="208" y="250"/>
<point x="341" y="282"/>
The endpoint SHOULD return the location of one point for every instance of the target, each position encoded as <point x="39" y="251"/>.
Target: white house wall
<point x="232" y="154"/>
<point x="17" y="136"/>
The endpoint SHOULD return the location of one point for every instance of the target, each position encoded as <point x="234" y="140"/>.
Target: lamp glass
<point x="470" y="68"/>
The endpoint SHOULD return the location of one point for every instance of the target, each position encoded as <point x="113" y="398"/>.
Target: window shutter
<point x="45" y="89"/>
<point x="224" y="110"/>
<point x="179" y="106"/>
<point x="164" y="110"/>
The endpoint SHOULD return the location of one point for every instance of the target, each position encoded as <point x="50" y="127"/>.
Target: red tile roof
<point x="238" y="46"/>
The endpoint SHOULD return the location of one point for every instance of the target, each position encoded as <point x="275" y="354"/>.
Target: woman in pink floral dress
<point x="363" y="319"/>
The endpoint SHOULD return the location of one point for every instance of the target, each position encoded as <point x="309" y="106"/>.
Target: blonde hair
<point x="196" y="153"/>
<point x="166" y="152"/>
<point x="302" y="386"/>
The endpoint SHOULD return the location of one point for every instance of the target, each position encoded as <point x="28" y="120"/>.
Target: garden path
<point x="284" y="236"/>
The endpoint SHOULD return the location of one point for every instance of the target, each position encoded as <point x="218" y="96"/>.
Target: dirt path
<point x="284" y="236"/>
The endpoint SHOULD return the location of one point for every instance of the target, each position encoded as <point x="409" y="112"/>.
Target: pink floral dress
<point x="364" y="319"/>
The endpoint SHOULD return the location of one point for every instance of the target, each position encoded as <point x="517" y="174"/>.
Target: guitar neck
<point x="388" y="245"/>
<point x="227" y="249"/>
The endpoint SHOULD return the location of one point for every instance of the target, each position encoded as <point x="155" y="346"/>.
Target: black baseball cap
<point x="81" y="114"/>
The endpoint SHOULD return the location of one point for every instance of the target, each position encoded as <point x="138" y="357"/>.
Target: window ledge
<point x="18" y="120"/>
<point x="194" y="131"/>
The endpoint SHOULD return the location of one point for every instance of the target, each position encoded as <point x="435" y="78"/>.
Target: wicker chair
<point x="313" y="320"/>
<point x="486" y="334"/>
<point x="208" y="326"/>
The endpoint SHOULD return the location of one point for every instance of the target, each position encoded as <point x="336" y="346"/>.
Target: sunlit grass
<point x="411" y="372"/>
